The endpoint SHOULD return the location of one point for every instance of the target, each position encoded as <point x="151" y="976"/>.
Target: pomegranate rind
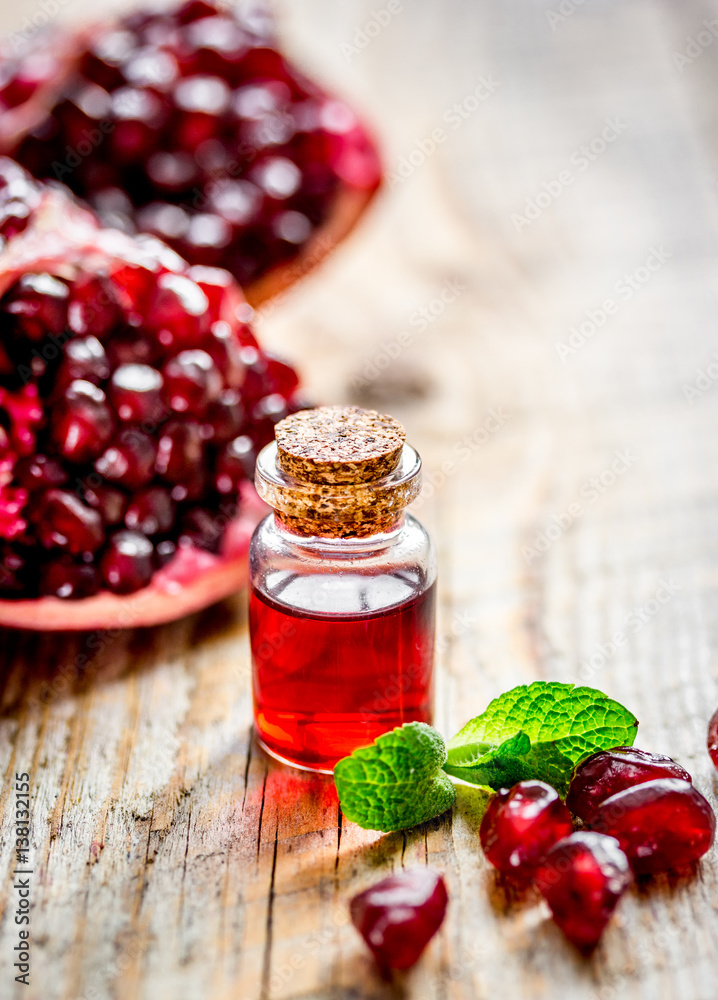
<point x="349" y="206"/>
<point x="193" y="580"/>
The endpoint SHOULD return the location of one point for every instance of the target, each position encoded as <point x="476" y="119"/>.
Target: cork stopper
<point x="338" y="472"/>
<point x="339" y="444"/>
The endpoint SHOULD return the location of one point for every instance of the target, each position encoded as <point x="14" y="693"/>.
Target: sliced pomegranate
<point x="398" y="916"/>
<point x="189" y="123"/>
<point x="661" y="825"/>
<point x="712" y="741"/>
<point x="610" y="771"/>
<point x="125" y="463"/>
<point x="520" y="825"/>
<point x="582" y="879"/>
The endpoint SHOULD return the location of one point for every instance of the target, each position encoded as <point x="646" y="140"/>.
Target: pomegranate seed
<point x="172" y="172"/>
<point x="193" y="10"/>
<point x="92" y="308"/>
<point x="14" y="572"/>
<point x="398" y="916"/>
<point x="281" y="377"/>
<point x="521" y="823"/>
<point x="69" y="580"/>
<point x="39" y="472"/>
<point x="129" y="461"/>
<point x="226" y="354"/>
<point x="110" y="503"/>
<point x="136" y="393"/>
<point x="661" y="824"/>
<point x="713" y="738"/>
<point x="38" y="304"/>
<point x="191" y="382"/>
<point x="203" y="528"/>
<point x="226" y="416"/>
<point x="137" y="113"/>
<point x="165" y="552"/>
<point x="63" y="521"/>
<point x="127" y="564"/>
<point x="151" y="511"/>
<point x="81" y="422"/>
<point x="610" y="771"/>
<point x="235" y="464"/>
<point x="12" y="504"/>
<point x="23" y="414"/>
<point x="84" y="359"/>
<point x="176" y="311"/>
<point x="180" y="457"/>
<point x="582" y="879"/>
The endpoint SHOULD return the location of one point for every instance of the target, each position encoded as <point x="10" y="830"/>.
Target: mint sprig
<point x="540" y="730"/>
<point x="397" y="781"/>
<point x="563" y="724"/>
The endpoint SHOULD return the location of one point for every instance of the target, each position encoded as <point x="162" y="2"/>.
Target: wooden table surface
<point x="563" y="393"/>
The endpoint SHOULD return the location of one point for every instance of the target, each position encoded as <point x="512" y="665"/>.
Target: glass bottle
<point x="343" y="588"/>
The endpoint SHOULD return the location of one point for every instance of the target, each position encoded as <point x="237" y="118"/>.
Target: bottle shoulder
<point x="342" y="578"/>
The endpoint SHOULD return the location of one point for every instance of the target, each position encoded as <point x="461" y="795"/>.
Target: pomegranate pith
<point x="102" y="473"/>
<point x="520" y="825"/>
<point x="188" y="123"/>
<point x="661" y="825"/>
<point x="582" y="879"/>
<point x="398" y="916"/>
<point x="610" y="771"/>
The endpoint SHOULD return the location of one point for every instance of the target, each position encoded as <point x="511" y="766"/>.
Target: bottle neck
<point x="350" y="546"/>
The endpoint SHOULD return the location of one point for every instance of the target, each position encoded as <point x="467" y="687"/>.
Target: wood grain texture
<point x="172" y="859"/>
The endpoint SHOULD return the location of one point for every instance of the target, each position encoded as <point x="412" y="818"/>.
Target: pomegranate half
<point x="188" y="123"/>
<point x="133" y="398"/>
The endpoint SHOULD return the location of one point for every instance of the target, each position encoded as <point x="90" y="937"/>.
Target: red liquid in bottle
<point x="325" y="684"/>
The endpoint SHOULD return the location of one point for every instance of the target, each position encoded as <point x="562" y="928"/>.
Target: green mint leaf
<point x="396" y="782"/>
<point x="539" y="730"/>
